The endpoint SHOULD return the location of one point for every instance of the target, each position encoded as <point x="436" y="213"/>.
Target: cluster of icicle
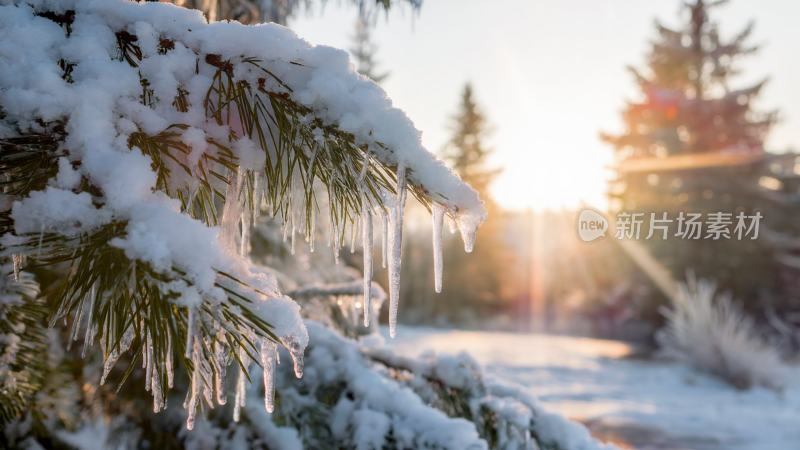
<point x="205" y="370"/>
<point x="84" y="321"/>
<point x="235" y="224"/>
<point x="208" y="375"/>
<point x="390" y="215"/>
<point x="393" y="243"/>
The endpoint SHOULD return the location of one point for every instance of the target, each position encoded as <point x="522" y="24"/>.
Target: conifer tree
<point x="467" y="152"/>
<point x="702" y="141"/>
<point x="364" y="50"/>
<point x="482" y="283"/>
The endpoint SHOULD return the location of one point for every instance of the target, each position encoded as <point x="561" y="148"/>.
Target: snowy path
<point x="635" y="403"/>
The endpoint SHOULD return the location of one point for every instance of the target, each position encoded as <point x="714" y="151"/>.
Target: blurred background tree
<point x="695" y="143"/>
<point x="363" y="49"/>
<point x="480" y="287"/>
<point x="277" y="11"/>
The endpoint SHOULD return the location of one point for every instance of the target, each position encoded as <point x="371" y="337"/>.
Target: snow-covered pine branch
<point x="21" y="342"/>
<point x="365" y="396"/>
<point x="140" y="142"/>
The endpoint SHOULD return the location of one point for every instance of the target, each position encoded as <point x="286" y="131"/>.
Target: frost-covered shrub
<point x="706" y="330"/>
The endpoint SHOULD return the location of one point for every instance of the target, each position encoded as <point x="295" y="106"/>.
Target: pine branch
<point x="28" y="162"/>
<point x="22" y="342"/>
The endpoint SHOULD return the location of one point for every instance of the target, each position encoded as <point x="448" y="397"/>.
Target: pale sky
<point x="550" y="74"/>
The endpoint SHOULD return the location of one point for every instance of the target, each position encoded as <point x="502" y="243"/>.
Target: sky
<point x="550" y="75"/>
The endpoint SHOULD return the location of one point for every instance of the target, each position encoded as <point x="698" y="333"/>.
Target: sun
<point x="552" y="178"/>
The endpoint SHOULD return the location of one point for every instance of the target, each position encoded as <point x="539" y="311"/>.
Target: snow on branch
<point x="505" y="415"/>
<point x="142" y="142"/>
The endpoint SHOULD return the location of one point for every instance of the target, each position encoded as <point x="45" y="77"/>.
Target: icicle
<point x="191" y="403"/>
<point x="451" y="225"/>
<point x="168" y="364"/>
<point x="438" y="215"/>
<point x="220" y="360"/>
<point x="241" y="397"/>
<point x="191" y="330"/>
<point x="468" y="228"/>
<point x="239" y="400"/>
<point x="257" y="194"/>
<point x="108" y="364"/>
<point x="231" y="212"/>
<point x="188" y="398"/>
<point x="393" y="272"/>
<point x="148" y="361"/>
<point x="384" y="238"/>
<point x="335" y="240"/>
<point x="76" y="324"/>
<point x="366" y="218"/>
<point x="208" y="391"/>
<point x="152" y="380"/>
<point x="268" y="354"/>
<point x="113" y="356"/>
<point x="144" y="347"/>
<point x="158" y="395"/>
<point x="313" y="231"/>
<point x="396" y="246"/>
<point x="353" y="232"/>
<point x="297" y="356"/>
<point x="89" y="335"/>
<point x="16" y="259"/>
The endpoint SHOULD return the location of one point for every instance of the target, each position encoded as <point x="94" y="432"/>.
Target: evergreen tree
<point x="466" y="152"/>
<point x="363" y="49"/>
<point x="694" y="143"/>
<point x="484" y="283"/>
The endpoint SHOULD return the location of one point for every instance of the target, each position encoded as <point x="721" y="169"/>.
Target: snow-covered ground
<point x="634" y="403"/>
